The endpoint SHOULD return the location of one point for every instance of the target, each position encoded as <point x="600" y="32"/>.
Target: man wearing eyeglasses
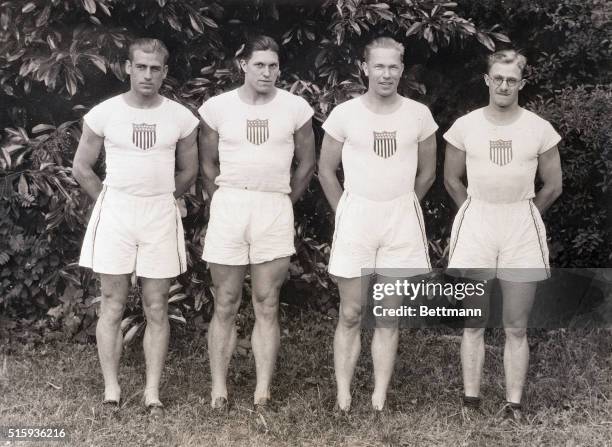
<point x="498" y="230"/>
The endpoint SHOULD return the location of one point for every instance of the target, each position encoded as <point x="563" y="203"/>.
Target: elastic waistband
<point x="355" y="197"/>
<point x="110" y="192"/>
<point x="520" y="203"/>
<point x="250" y="192"/>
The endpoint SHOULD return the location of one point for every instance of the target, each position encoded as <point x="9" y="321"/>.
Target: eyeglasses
<point x="511" y="82"/>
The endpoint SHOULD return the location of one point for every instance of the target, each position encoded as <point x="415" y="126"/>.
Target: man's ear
<point x="128" y="66"/>
<point x="243" y="64"/>
<point x="522" y="84"/>
<point x="487" y="79"/>
<point x="165" y="71"/>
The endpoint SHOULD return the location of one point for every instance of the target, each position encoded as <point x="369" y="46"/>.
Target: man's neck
<point x="381" y="104"/>
<point x="139" y="101"/>
<point x="253" y="97"/>
<point x="502" y="115"/>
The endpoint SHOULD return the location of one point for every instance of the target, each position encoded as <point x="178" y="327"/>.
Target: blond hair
<point x="383" y="42"/>
<point x="507" y="57"/>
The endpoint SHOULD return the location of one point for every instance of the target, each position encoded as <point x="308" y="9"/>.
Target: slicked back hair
<point x="148" y="45"/>
<point x="383" y="42"/>
<point x="259" y="43"/>
<point x="507" y="57"/>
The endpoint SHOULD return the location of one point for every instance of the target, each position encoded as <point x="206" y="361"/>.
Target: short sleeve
<point x="207" y="112"/>
<point x="455" y="135"/>
<point x="304" y="112"/>
<point x="334" y="125"/>
<point x="187" y="122"/>
<point x="97" y="118"/>
<point x="428" y="125"/>
<point x="550" y="138"/>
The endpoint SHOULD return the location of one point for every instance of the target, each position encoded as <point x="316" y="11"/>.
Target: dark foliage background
<point x="58" y="58"/>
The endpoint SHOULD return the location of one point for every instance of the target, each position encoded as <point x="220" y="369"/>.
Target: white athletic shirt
<point x="501" y="160"/>
<point x="380" y="151"/>
<point x="140" y="143"/>
<point x="256" y="141"/>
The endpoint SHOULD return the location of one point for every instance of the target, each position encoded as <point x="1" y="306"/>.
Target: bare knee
<point x="111" y="308"/>
<point x="473" y="333"/>
<point x="156" y="310"/>
<point x="514" y="334"/>
<point x="389" y="331"/>
<point x="227" y="302"/>
<point x="350" y="316"/>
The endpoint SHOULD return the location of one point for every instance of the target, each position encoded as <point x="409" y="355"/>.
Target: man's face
<point x="147" y="72"/>
<point x="261" y="71"/>
<point x="504" y="82"/>
<point x="384" y="69"/>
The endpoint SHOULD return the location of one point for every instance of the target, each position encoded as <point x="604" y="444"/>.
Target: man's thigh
<point x="155" y="290"/>
<point x="228" y="280"/>
<point x="518" y="300"/>
<point x="225" y="242"/>
<point x="268" y="277"/>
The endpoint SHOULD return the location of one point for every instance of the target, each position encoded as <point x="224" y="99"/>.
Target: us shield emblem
<point x="143" y="135"/>
<point x="257" y="131"/>
<point x="500" y="152"/>
<point x="385" y="143"/>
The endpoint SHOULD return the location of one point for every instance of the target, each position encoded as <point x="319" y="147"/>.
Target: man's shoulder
<point x="112" y="102"/>
<point x="413" y="104"/>
<point x="534" y="117"/>
<point x="289" y="97"/>
<point x="349" y="104"/>
<point x="221" y="98"/>
<point x="175" y="105"/>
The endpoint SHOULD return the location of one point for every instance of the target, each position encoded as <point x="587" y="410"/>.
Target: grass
<point x="568" y="393"/>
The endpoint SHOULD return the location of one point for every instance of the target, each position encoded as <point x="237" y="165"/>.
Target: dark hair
<point x="258" y="43"/>
<point x="148" y="46"/>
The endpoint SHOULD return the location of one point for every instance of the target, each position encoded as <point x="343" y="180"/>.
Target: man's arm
<point x="331" y="156"/>
<point x="304" y="144"/>
<point x="426" y="168"/>
<point x="85" y="159"/>
<point x="549" y="170"/>
<point x="209" y="157"/>
<point x="454" y="170"/>
<point x="186" y="163"/>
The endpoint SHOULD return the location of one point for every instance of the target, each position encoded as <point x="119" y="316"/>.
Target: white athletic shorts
<point x="503" y="240"/>
<point x="379" y="235"/>
<point x="248" y="227"/>
<point x="127" y="233"/>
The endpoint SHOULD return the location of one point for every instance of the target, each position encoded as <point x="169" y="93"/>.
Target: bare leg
<point x="384" y="348"/>
<point x="347" y="339"/>
<point x="266" y="279"/>
<point x="157" y="333"/>
<point x="108" y="330"/>
<point x="518" y="300"/>
<point x="472" y="343"/>
<point x="222" y="335"/>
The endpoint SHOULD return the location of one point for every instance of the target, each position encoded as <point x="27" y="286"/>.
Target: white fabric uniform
<point x="379" y="223"/>
<point x="136" y="224"/>
<point x="498" y="231"/>
<point x="251" y="216"/>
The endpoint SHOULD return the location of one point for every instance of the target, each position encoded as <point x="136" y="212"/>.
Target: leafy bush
<point x="579" y="221"/>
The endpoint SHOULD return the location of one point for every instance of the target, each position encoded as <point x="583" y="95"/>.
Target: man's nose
<point x="266" y="71"/>
<point x="148" y="73"/>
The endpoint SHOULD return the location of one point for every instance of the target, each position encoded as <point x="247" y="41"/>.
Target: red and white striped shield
<point x="385" y="143"/>
<point x="143" y="135"/>
<point x="500" y="152"/>
<point x="257" y="131"/>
